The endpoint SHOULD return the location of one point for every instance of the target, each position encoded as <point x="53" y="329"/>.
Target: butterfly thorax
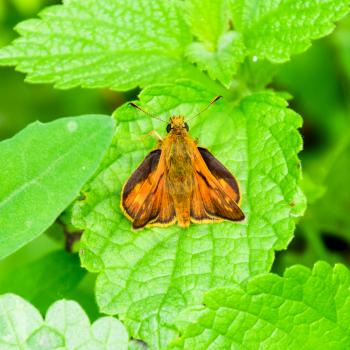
<point x="178" y="149"/>
<point x="178" y="152"/>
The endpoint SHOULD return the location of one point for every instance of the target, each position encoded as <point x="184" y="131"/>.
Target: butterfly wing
<point x="222" y="174"/>
<point x="216" y="192"/>
<point x="144" y="199"/>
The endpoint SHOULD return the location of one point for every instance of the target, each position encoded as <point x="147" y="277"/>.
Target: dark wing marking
<point x="223" y="175"/>
<point x="139" y="185"/>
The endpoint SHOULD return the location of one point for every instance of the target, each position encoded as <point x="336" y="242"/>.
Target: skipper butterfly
<point x="180" y="182"/>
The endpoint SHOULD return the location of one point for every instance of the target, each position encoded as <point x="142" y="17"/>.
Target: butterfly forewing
<point x="216" y="191"/>
<point x="222" y="174"/>
<point x="144" y="198"/>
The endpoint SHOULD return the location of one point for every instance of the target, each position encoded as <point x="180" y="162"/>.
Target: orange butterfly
<point x="180" y="182"/>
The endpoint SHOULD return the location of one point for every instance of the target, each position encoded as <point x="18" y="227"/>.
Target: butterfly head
<point x="177" y="125"/>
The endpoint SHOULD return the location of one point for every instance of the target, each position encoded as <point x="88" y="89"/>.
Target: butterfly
<point x="180" y="182"/>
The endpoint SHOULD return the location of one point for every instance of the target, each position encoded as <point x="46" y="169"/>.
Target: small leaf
<point x="219" y="51"/>
<point x="149" y="276"/>
<point x="51" y="277"/>
<point x="112" y="43"/>
<point x="278" y="29"/>
<point x="42" y="170"/>
<point x="222" y="63"/>
<point x="256" y="74"/>
<point x="302" y="310"/>
<point x="208" y="20"/>
<point x="66" y="326"/>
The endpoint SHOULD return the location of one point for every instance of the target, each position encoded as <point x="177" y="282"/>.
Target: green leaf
<point x="343" y="45"/>
<point x="318" y="92"/>
<point x="51" y="277"/>
<point x="278" y="29"/>
<point x="112" y="43"/>
<point x="256" y="74"/>
<point x="207" y="19"/>
<point x="66" y="327"/>
<point x="304" y="309"/>
<point x="149" y="276"/>
<point x="323" y="232"/>
<point x="42" y="170"/>
<point x="223" y="63"/>
<point x="137" y="345"/>
<point x="219" y="51"/>
<point x="334" y="204"/>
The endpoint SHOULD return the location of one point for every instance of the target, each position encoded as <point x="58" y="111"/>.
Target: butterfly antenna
<point x="205" y="108"/>
<point x="146" y="112"/>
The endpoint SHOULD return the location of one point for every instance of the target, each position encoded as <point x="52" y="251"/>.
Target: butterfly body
<point x="175" y="184"/>
<point x="178" y="149"/>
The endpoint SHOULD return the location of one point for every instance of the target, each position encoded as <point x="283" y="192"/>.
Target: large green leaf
<point x="304" y="309"/>
<point x="280" y="28"/>
<point x="42" y="170"/>
<point x="110" y="43"/>
<point x="123" y="44"/>
<point x="45" y="280"/>
<point x="66" y="327"/>
<point x="149" y="276"/>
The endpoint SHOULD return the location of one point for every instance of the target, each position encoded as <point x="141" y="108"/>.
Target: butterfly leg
<point x="155" y="135"/>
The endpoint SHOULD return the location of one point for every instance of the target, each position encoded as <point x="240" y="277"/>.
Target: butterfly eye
<point x="186" y="126"/>
<point x="168" y="128"/>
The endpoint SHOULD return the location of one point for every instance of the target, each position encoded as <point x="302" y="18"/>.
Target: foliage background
<point x="318" y="80"/>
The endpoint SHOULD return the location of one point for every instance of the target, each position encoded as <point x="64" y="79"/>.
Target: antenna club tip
<point x="216" y="98"/>
<point x="132" y="104"/>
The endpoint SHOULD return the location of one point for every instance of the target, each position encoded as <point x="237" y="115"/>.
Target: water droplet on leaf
<point x="72" y="126"/>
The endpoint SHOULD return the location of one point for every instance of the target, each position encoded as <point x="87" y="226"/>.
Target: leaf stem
<point x="313" y="238"/>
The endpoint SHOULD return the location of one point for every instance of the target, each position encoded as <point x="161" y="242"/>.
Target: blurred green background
<point x="319" y="82"/>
